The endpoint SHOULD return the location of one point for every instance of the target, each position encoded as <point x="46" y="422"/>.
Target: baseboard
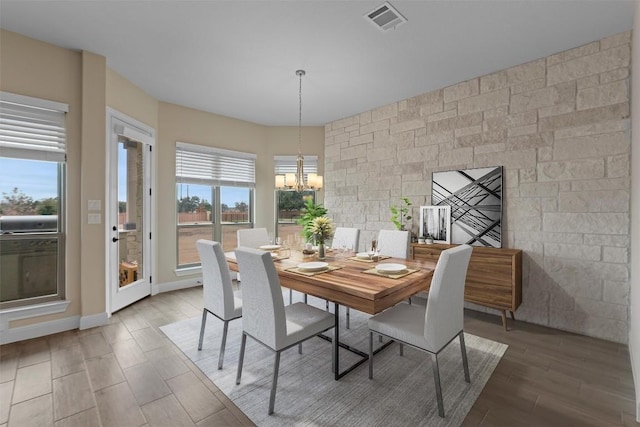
<point x="94" y="320"/>
<point x="174" y="286"/>
<point x="22" y="333"/>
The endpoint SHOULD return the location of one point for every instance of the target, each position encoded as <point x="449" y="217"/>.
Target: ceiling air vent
<point x="385" y="17"/>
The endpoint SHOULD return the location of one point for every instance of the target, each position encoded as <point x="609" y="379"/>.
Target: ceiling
<point x="238" y="58"/>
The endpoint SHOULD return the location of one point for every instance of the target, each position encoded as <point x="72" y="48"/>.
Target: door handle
<point x="115" y="239"/>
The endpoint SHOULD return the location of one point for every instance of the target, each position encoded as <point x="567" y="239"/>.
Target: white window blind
<point x="197" y="164"/>
<point x="287" y="164"/>
<point x="32" y="128"/>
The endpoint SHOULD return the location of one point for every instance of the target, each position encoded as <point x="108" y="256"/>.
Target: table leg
<point x="336" y="342"/>
<point x="504" y="319"/>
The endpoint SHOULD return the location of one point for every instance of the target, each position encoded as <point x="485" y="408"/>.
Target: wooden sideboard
<point x="494" y="276"/>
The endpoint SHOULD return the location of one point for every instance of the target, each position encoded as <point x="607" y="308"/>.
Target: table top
<point x="349" y="285"/>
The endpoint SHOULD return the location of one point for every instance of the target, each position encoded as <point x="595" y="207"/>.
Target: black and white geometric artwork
<point x="475" y="197"/>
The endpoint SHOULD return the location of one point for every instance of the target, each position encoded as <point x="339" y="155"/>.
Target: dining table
<point x="353" y="282"/>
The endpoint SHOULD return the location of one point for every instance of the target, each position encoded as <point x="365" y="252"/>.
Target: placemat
<point x="313" y="273"/>
<point x="369" y="260"/>
<point x="392" y="276"/>
<point x="280" y="257"/>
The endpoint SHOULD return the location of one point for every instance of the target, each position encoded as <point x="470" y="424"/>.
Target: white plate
<point x="270" y="247"/>
<point x="365" y="255"/>
<point x="390" y="268"/>
<point x="313" y="266"/>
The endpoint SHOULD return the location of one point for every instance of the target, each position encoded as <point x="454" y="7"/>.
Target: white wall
<point x="634" y="304"/>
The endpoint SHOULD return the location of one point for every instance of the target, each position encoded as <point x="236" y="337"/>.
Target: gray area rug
<point x="401" y="393"/>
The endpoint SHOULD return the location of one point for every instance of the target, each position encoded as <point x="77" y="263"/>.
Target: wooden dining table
<point x="350" y="286"/>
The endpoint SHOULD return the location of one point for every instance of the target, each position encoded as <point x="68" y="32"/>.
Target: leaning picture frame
<point x="436" y="221"/>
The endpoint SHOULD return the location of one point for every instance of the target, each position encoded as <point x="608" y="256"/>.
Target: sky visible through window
<point x="37" y="180"/>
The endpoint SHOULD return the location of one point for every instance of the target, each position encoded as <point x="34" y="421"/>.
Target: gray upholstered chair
<point x="252" y="238"/>
<point x="394" y="243"/>
<point x="266" y="319"/>
<point x="345" y="237"/>
<point x="433" y="327"/>
<point x="219" y="298"/>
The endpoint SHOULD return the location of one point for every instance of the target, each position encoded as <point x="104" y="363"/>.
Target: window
<point x="214" y="197"/>
<point x="290" y="203"/>
<point x="32" y="179"/>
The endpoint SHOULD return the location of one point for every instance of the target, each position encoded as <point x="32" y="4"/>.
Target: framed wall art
<point x="475" y="198"/>
<point x="435" y="221"/>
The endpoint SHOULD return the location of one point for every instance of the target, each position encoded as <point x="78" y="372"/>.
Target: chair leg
<point x="225" y="328"/>
<point x="272" y="398"/>
<point x="300" y="348"/>
<point x="326" y="305"/>
<point x="370" y="355"/>
<point x="379" y="338"/>
<point x="241" y="360"/>
<point x="465" y="363"/>
<point x="401" y="349"/>
<point x="436" y="379"/>
<point x="204" y="321"/>
<point x="290" y="296"/>
<point x="348" y="327"/>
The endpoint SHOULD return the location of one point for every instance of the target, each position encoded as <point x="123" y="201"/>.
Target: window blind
<point x="197" y="164"/>
<point x="287" y="164"/>
<point x="32" y="128"/>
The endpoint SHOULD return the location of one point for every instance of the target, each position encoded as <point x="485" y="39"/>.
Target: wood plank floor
<point x="128" y="373"/>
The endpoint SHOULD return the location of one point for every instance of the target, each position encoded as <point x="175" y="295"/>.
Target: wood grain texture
<point x="350" y="286"/>
<point x="494" y="277"/>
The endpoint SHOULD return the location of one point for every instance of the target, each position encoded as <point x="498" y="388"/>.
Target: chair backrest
<point x="252" y="237"/>
<point x="344" y="236"/>
<point x="262" y="303"/>
<point x="216" y="281"/>
<point x="394" y="243"/>
<point x="445" y="306"/>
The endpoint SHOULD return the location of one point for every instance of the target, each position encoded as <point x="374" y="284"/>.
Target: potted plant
<point x="428" y="239"/>
<point x="400" y="214"/>
<point x="321" y="230"/>
<point x="310" y="212"/>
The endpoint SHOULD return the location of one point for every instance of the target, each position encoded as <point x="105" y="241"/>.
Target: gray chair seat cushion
<point x="404" y="322"/>
<point x="303" y="321"/>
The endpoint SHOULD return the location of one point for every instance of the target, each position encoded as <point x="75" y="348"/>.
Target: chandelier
<point x="296" y="182"/>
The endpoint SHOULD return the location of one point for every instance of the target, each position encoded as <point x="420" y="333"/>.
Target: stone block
<point x="528" y="86"/>
<point x="489" y="148"/>
<point x="408" y="114"/>
<point x="555" y="110"/>
<point x="415" y="188"/>
<point x="493" y="82"/>
<point x="542" y="237"/>
<point x="405" y="126"/>
<point x="602" y="309"/>
<point x="523" y="207"/>
<point x="521" y="159"/>
<point x="569" y="276"/>
<point x="425" y="98"/>
<point x="539" y="189"/>
<point x="601" y="145"/>
<point x="435" y="138"/>
<point x="619" y="241"/>
<point x="342" y="138"/>
<point x="577" y="52"/>
<point x="462" y="90"/>
<point x="614" y="75"/>
<point x="601" y="184"/>
<point x="585" y="117"/>
<point x="353" y="129"/>
<point x="347" y="191"/>
<point x="374" y="127"/>
<point x="616" y="255"/>
<point x="615" y="40"/>
<point x="583" y="66"/>
<point x="527" y="142"/>
<point x="616" y="292"/>
<point x="606" y="94"/>
<point x="561" y="94"/>
<point x="583" y="252"/>
<point x="404" y="140"/>
<point x="526" y="72"/>
<point x="460" y="156"/>
<point x="377" y="154"/>
<point x="471" y="130"/>
<point x="365" y="118"/>
<point x="385" y="112"/>
<point x="511" y="178"/>
<point x="549" y="204"/>
<point x="429" y="109"/>
<point x="522" y="130"/>
<point x="366" y="193"/>
<point x="528" y="175"/>
<point x="361" y="139"/>
<point x="590" y="81"/>
<point x="496" y="112"/>
<point x="428" y="152"/>
<point x="618" y="166"/>
<point x="545" y="154"/>
<point x="485" y="101"/>
<point x="596" y="128"/>
<point x="509" y="121"/>
<point x="353" y="152"/>
<point x="597" y="223"/>
<point x="441" y="116"/>
<point x="570" y="170"/>
<point x="343" y="123"/>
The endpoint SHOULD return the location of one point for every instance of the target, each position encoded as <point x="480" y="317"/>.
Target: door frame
<point x="121" y="124"/>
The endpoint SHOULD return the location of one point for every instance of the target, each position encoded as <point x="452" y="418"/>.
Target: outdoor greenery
<point x="310" y="211"/>
<point x="18" y="203"/>
<point x="192" y="204"/>
<point x="401" y="213"/>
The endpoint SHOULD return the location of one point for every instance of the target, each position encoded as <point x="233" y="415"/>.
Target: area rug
<point x="401" y="393"/>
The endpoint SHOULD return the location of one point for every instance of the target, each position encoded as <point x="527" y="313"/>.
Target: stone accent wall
<point x="560" y="127"/>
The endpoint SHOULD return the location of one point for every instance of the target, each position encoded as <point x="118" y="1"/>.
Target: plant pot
<point x="429" y="241"/>
<point x="421" y="241"/>
<point x="321" y="251"/>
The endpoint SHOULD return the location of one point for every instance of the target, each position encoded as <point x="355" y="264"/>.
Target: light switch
<point x="95" y="218"/>
<point x="95" y="205"/>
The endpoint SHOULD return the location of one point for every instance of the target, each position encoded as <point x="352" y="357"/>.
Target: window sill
<point x="25" y="312"/>
<point x="188" y="271"/>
